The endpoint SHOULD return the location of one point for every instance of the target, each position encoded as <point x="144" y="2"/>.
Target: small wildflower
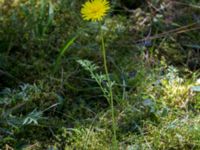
<point x="95" y="10"/>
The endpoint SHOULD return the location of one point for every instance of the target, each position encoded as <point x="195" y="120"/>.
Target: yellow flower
<point x="95" y="10"/>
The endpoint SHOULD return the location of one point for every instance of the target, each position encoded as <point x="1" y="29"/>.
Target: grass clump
<point x="130" y="81"/>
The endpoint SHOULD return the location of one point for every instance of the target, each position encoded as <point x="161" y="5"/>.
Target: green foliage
<point x="84" y="138"/>
<point x="47" y="101"/>
<point x="101" y="79"/>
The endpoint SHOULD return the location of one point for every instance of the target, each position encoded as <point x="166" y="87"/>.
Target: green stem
<point x="104" y="55"/>
<point x="113" y="120"/>
<point x="110" y="98"/>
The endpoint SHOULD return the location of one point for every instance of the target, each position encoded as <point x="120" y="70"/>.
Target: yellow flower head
<point x="95" y="10"/>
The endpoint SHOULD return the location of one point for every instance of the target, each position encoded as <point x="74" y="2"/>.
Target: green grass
<point x="50" y="101"/>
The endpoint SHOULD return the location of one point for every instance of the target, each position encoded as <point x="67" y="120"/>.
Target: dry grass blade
<point x="187" y="28"/>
